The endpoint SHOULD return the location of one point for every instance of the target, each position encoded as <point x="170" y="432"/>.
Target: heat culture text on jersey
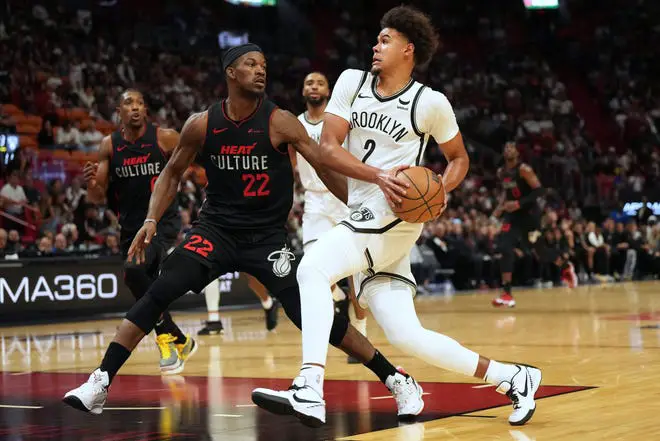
<point x="381" y="122"/>
<point x="138" y="166"/>
<point x="240" y="157"/>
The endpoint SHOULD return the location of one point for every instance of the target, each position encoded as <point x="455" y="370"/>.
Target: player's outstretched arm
<point x="96" y="174"/>
<point x="191" y="141"/>
<point x="288" y="128"/>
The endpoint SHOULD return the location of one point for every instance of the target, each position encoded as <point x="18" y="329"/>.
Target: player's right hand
<point x="140" y="243"/>
<point x="392" y="186"/>
<point x="89" y="172"/>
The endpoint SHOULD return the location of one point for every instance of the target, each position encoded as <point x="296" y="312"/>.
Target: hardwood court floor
<point x="598" y="348"/>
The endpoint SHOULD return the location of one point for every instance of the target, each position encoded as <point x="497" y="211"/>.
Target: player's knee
<point x="404" y="337"/>
<point x="137" y="280"/>
<point x="145" y="313"/>
<point x="310" y="272"/>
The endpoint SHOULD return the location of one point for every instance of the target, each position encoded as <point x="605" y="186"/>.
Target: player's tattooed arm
<point x="191" y="141"/>
<point x="97" y="174"/>
<point x="168" y="139"/>
<point x="287" y="128"/>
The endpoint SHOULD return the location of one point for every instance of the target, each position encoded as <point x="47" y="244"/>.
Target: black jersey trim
<point x="421" y="150"/>
<point x="383" y="99"/>
<point x="244" y="120"/>
<point x="388" y="275"/>
<point x="413" y="110"/>
<point x="309" y="122"/>
<point x="370" y="262"/>
<point x="357" y="91"/>
<point x="371" y="230"/>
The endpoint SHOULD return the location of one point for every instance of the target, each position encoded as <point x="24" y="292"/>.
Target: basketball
<point x="425" y="200"/>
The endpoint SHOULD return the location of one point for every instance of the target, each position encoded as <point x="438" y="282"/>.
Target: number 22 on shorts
<point x="197" y="244"/>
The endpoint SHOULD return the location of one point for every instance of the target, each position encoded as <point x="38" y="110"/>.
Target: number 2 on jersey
<point x="370" y="146"/>
<point x="197" y="244"/>
<point x="251" y="179"/>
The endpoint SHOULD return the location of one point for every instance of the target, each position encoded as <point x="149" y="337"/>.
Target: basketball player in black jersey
<point x="130" y="161"/>
<point x="242" y="143"/>
<point x="521" y="222"/>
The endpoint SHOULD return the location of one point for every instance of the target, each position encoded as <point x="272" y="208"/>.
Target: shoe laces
<point x="163" y="341"/>
<point x="96" y="383"/>
<point x="513" y="396"/>
<point x="402" y="389"/>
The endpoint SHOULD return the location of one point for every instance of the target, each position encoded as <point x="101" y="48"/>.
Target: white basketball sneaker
<point x="300" y="400"/>
<point x="521" y="390"/>
<point x="90" y="396"/>
<point x="407" y="393"/>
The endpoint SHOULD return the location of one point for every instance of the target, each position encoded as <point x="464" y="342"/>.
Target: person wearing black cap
<point x="242" y="142"/>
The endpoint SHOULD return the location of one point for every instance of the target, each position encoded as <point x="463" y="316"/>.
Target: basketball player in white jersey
<point x="323" y="210"/>
<point x="388" y="118"/>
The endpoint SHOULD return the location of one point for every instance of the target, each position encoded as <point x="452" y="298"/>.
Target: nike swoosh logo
<point x="404" y="103"/>
<point x="527" y="381"/>
<point x="145" y="145"/>
<point x="302" y="400"/>
<point x="121" y="147"/>
<point x="216" y="131"/>
<point x="363" y="96"/>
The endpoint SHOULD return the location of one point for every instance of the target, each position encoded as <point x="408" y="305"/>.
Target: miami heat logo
<point x="281" y="261"/>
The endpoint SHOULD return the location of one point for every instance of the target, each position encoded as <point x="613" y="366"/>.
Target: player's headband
<point x="236" y="52"/>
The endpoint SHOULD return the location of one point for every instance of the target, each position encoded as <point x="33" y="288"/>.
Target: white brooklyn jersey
<point x="308" y="177"/>
<point x="388" y="131"/>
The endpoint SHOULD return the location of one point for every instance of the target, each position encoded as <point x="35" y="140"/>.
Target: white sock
<point x="359" y="324"/>
<point x="212" y="297"/>
<point x="392" y="306"/>
<point x="314" y="376"/>
<point x="337" y="294"/>
<point x="498" y="372"/>
<point x="268" y="303"/>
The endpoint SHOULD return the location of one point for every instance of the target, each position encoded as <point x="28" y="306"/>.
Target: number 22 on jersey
<point x="255" y="184"/>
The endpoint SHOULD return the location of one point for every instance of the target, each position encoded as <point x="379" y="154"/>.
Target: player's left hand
<point x="140" y="242"/>
<point x="510" y="206"/>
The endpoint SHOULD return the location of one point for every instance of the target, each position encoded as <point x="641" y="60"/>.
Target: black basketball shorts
<point x="154" y="254"/>
<point x="263" y="254"/>
<point x="520" y="227"/>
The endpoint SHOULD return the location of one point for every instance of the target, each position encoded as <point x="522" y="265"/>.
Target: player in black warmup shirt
<point x="521" y="222"/>
<point x="242" y="143"/>
<point x="130" y="161"/>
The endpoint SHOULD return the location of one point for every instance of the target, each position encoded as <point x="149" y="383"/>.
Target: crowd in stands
<point x="65" y="70"/>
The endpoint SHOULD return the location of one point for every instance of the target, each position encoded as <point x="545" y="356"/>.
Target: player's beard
<point x="375" y="71"/>
<point x="316" y="102"/>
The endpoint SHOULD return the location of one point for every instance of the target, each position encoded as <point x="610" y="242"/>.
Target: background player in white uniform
<point x="323" y="210"/>
<point x="390" y="118"/>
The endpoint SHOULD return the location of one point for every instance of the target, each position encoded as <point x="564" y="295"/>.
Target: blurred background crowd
<point x="572" y="88"/>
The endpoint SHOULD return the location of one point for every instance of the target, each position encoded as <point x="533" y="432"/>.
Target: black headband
<point x="236" y="52"/>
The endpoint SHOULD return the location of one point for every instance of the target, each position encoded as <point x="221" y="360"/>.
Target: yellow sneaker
<point x="170" y="360"/>
<point x="187" y="349"/>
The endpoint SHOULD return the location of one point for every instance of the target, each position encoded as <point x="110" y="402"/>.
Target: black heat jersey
<point x="134" y="168"/>
<point x="516" y="187"/>
<point x="250" y="181"/>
